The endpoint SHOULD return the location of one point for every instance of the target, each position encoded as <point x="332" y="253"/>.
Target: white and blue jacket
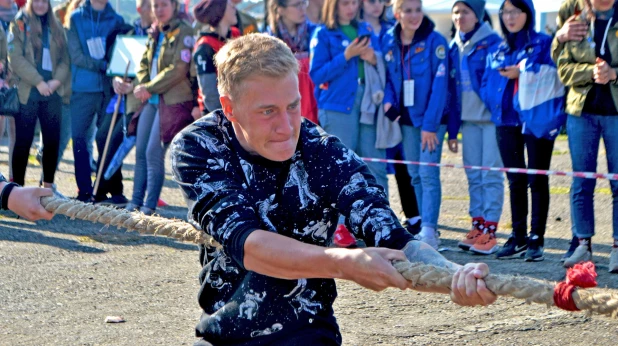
<point x="428" y="63"/>
<point x="336" y="79"/>
<point x="538" y="96"/>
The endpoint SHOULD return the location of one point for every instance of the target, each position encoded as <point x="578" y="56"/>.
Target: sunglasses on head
<point x="377" y="1"/>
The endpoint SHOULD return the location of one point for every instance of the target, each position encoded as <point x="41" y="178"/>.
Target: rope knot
<point x="580" y="276"/>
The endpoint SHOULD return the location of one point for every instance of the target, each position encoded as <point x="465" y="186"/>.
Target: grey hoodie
<point x="472" y="107"/>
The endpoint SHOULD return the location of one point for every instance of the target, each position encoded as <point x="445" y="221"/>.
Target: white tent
<point x="443" y="6"/>
<point x="440" y="12"/>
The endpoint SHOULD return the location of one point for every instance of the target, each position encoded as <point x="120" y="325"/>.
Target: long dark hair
<point x="520" y="4"/>
<point x="36" y="30"/>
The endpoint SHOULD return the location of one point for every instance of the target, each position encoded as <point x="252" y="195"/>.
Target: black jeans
<point x="511" y="143"/>
<point x="49" y="112"/>
<point x="407" y="195"/>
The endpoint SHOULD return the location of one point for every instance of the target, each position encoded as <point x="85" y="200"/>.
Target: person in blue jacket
<point x="467" y="59"/>
<point x="522" y="90"/>
<point x="340" y="49"/>
<point x="90" y="25"/>
<point x="374" y="13"/>
<point x="415" y="95"/>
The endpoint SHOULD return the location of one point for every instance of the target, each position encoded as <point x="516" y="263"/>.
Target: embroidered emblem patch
<point x="441" y="71"/>
<point x="188" y="41"/>
<point x="441" y="52"/>
<point x="185" y="55"/>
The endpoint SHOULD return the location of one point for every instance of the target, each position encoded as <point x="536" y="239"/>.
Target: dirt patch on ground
<point x="60" y="279"/>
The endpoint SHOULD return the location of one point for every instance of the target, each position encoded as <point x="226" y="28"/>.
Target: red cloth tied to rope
<point x="582" y="275"/>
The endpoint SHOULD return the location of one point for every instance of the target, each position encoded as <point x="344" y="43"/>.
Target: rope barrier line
<point x="421" y="275"/>
<point x="587" y="175"/>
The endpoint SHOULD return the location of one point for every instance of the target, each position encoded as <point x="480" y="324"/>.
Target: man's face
<point x="266" y="116"/>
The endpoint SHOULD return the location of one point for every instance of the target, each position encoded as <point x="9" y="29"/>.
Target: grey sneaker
<point x="581" y="254"/>
<point x="146" y="211"/>
<point x="429" y="236"/>
<point x="613" y="261"/>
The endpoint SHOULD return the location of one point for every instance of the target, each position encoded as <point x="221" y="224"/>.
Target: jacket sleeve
<point x="361" y="199"/>
<point x="324" y="68"/>
<point x="62" y="72"/>
<point x="437" y="96"/>
<point x="454" y="116"/>
<point x="20" y="66"/>
<point x="78" y="57"/>
<point x="178" y="70"/>
<point x="3" y="48"/>
<point x="143" y="74"/>
<point x="215" y="197"/>
<point x="573" y="74"/>
<point x="485" y="82"/>
<point x="567" y="9"/>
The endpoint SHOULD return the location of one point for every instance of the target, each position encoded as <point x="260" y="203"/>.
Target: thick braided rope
<point x="121" y="218"/>
<point x="421" y="275"/>
<point x="533" y="291"/>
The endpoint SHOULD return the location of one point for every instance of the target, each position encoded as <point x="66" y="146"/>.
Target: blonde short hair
<point x="252" y="55"/>
<point x="397" y="4"/>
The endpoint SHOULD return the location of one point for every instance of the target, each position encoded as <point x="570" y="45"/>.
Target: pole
<point x="109" y="137"/>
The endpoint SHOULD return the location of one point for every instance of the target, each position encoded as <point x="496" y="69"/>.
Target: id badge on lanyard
<point x="154" y="69"/>
<point x="408" y="93"/>
<point x="46" y="61"/>
<point x="96" y="47"/>
<point x="408" y="83"/>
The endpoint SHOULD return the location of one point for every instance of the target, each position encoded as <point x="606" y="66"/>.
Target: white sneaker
<point x="613" y="261"/>
<point x="430" y="236"/>
<point x="581" y="254"/>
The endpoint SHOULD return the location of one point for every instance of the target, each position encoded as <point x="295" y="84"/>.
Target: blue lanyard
<point x="95" y="30"/>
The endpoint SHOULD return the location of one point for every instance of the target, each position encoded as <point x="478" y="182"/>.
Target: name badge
<point x="408" y="93"/>
<point x="154" y="69"/>
<point x="96" y="48"/>
<point x="46" y="60"/>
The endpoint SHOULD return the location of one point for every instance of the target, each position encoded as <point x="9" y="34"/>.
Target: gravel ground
<point x="60" y="279"/>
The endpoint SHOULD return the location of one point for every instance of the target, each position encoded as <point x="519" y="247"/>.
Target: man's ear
<point x="228" y="107"/>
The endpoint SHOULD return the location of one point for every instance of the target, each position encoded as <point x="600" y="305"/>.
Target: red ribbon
<point x="580" y="276"/>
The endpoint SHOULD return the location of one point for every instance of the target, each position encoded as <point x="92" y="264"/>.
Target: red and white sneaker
<point x="343" y="238"/>
<point x="478" y="224"/>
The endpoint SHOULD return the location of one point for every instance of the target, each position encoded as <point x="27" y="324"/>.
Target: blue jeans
<point x="356" y="136"/>
<point x="486" y="188"/>
<point x="149" y="159"/>
<point x="426" y="180"/>
<point x="84" y="110"/>
<point x="585" y="133"/>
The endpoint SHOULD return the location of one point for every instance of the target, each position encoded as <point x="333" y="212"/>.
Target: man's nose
<point x="284" y="124"/>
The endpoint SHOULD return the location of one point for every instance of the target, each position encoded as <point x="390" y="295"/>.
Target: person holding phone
<point x="415" y="96"/>
<point x="589" y="68"/>
<point x="340" y="51"/>
<point x="528" y="117"/>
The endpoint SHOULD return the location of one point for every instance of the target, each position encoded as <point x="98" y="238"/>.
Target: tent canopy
<point x="493" y="6"/>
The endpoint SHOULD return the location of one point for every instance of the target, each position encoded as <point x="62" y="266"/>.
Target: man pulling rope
<point x="269" y="188"/>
